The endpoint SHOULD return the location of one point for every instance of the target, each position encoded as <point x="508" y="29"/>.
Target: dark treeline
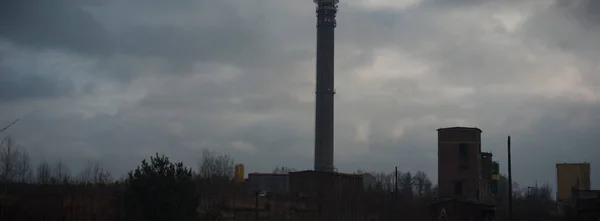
<point x="159" y="189"/>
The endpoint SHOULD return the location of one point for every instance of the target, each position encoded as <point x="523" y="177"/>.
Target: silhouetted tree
<point x="60" y="173"/>
<point x="422" y="184"/>
<point x="9" y="160"/>
<point x="214" y="165"/>
<point x="215" y="176"/>
<point x="43" y="173"/>
<point x="160" y="190"/>
<point x="405" y="184"/>
<point x="24" y="170"/>
<point x="93" y="173"/>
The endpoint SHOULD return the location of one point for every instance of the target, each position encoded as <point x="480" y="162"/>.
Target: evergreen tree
<point x="160" y="190"/>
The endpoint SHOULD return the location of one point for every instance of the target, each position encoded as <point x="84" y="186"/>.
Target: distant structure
<point x="459" y="162"/>
<point x="333" y="195"/>
<point x="268" y="183"/>
<point x="465" y="177"/>
<point x="326" y="11"/>
<point x="574" y="197"/>
<point x="369" y="181"/>
<point x="486" y="182"/>
<point x="239" y="173"/>
<point x="569" y="176"/>
<point x="495" y="176"/>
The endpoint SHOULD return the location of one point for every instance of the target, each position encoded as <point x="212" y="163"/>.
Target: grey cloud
<point x="16" y="86"/>
<point x="57" y="24"/>
<point x="183" y="47"/>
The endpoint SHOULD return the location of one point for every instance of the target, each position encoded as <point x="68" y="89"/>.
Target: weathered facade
<point x="459" y="162"/>
<point x="587" y="204"/>
<point x="464" y="177"/>
<point x="267" y="182"/>
<point x="335" y="196"/>
<point x="569" y="176"/>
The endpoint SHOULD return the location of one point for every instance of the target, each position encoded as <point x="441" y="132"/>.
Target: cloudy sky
<point x="117" y="81"/>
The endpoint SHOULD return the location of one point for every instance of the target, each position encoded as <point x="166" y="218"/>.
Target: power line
<point x="9" y="125"/>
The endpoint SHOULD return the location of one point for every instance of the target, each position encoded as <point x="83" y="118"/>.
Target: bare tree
<point x="422" y="184"/>
<point x="93" y="173"/>
<point x="9" y="158"/>
<point x="24" y="170"/>
<point x="44" y="173"/>
<point x="215" y="174"/>
<point x="214" y="165"/>
<point x="100" y="175"/>
<point x="60" y="173"/>
<point x="14" y="162"/>
<point x="405" y="183"/>
<point x="384" y="181"/>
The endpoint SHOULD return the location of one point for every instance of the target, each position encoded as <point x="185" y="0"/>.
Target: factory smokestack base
<point x="326" y="11"/>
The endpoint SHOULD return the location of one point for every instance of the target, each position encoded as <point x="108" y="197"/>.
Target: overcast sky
<point x="117" y="81"/>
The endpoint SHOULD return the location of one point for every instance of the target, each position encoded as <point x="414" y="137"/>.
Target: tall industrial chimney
<point x="326" y="10"/>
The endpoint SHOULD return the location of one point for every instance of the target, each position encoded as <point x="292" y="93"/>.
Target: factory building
<point x="465" y="176"/>
<point x="268" y="183"/>
<point x="486" y="181"/>
<point x="569" y="176"/>
<point x="333" y="195"/>
<point x="459" y="162"/>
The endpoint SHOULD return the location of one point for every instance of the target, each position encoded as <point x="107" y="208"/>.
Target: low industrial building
<point x="267" y="183"/>
<point x="335" y="196"/>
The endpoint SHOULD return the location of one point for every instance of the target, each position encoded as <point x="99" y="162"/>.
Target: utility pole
<point x="510" y="190"/>
<point x="395" y="196"/>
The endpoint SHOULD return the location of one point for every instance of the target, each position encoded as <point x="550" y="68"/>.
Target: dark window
<point x="463" y="154"/>
<point x="458" y="188"/>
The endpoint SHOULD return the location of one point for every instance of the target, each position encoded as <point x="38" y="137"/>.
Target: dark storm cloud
<point x="58" y="24"/>
<point x="17" y="86"/>
<point x="586" y="11"/>
<point x="229" y="42"/>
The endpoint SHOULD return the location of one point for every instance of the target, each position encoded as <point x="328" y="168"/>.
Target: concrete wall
<point x="269" y="182"/>
<point x="332" y="194"/>
<point x="369" y="181"/>
<point x="451" y="172"/>
<point x="567" y="177"/>
<point x="486" y="166"/>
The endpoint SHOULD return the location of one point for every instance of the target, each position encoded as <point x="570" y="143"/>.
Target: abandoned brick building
<point x="464" y="176"/>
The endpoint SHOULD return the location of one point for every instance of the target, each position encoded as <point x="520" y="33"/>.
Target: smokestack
<point x="326" y="10"/>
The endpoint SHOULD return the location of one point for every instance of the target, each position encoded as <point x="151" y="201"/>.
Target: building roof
<point x="268" y="174"/>
<point x="460" y="128"/>
<point x="568" y="164"/>
<point x="324" y="172"/>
